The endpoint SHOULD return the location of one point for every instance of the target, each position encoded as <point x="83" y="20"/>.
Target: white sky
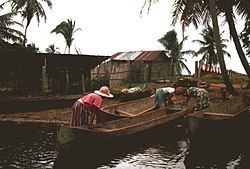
<point x="112" y="26"/>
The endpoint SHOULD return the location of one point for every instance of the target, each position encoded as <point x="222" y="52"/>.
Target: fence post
<point x="196" y="69"/>
<point x="45" y="79"/>
<point x="67" y="81"/>
<point x="83" y="81"/>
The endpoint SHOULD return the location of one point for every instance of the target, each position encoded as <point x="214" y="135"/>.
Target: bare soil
<point x="63" y="115"/>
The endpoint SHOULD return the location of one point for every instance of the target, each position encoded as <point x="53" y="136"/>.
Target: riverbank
<point x="56" y="108"/>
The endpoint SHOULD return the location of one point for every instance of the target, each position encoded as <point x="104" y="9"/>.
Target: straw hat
<point x="104" y="91"/>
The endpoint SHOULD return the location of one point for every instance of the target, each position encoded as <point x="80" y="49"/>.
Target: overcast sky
<point x="112" y="26"/>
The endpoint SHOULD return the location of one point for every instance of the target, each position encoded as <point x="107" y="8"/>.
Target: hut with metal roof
<point x="136" y="66"/>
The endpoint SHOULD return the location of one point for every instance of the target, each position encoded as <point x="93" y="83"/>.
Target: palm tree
<point x="220" y="55"/>
<point x="52" y="49"/>
<point x="6" y="30"/>
<point x="174" y="49"/>
<point x="245" y="37"/>
<point x="67" y="29"/>
<point x="196" y="12"/>
<point x="29" y="9"/>
<point x="32" y="48"/>
<point x="208" y="48"/>
<point x="242" y="8"/>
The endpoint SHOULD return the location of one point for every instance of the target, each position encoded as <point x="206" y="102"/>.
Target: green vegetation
<point x="29" y="9"/>
<point x="67" y="29"/>
<point x="208" y="48"/>
<point x="17" y="47"/>
<point x="95" y="84"/>
<point x="52" y="49"/>
<point x="193" y="12"/>
<point x="174" y="50"/>
<point x="7" y="31"/>
<point x="189" y="11"/>
<point x="245" y="37"/>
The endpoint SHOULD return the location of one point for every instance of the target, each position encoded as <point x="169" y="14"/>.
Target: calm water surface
<point x="32" y="146"/>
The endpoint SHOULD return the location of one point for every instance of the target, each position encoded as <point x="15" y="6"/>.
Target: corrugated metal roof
<point x="136" y="55"/>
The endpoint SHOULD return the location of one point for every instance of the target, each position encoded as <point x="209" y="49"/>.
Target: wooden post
<point x="146" y="72"/>
<point x="129" y="72"/>
<point x="196" y="69"/>
<point x="241" y="84"/>
<point x="67" y="82"/>
<point x="83" y="82"/>
<point x="45" y="79"/>
<point x="150" y="71"/>
<point x="110" y="75"/>
<point x="199" y="72"/>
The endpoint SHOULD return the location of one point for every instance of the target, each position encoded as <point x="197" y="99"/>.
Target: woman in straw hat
<point x="86" y="108"/>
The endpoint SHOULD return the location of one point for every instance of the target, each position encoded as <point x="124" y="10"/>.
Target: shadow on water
<point x="154" y="148"/>
<point x="220" y="147"/>
<point x="33" y="146"/>
<point x="27" y="146"/>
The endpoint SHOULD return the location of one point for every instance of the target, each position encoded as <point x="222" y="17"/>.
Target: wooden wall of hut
<point x="101" y="71"/>
<point x="159" y="70"/>
<point x="121" y="72"/>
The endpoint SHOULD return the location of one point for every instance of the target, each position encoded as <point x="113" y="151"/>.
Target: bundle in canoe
<point x="141" y="117"/>
<point x="138" y="94"/>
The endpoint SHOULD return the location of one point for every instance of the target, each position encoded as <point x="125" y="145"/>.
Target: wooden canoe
<point x="122" y="126"/>
<point x="222" y="116"/>
<point x="223" y="111"/>
<point x="131" y="108"/>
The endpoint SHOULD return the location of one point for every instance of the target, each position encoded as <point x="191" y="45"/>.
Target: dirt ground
<point x="63" y="115"/>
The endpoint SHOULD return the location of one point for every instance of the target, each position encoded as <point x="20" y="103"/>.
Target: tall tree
<point x="30" y="8"/>
<point x="174" y="49"/>
<point x="6" y="23"/>
<point x="67" y="29"/>
<point x="201" y="11"/>
<point x="208" y="48"/>
<point x="242" y="7"/>
<point x="216" y="31"/>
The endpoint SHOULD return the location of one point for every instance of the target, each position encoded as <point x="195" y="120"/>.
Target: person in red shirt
<point x="86" y="108"/>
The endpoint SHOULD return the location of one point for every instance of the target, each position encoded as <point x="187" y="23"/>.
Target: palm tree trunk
<point x="68" y="49"/>
<point x="171" y="67"/>
<point x="227" y="81"/>
<point x="25" y="35"/>
<point x="238" y="47"/>
<point x="175" y="71"/>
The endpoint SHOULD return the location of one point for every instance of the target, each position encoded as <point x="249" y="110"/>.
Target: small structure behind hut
<point x="136" y="66"/>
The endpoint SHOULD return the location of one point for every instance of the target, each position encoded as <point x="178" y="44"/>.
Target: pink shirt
<point x="93" y="99"/>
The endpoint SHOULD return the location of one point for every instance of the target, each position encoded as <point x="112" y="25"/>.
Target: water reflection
<point x="158" y="156"/>
<point x="165" y="148"/>
<point x="32" y="146"/>
<point x="27" y="146"/>
<point x="220" y="148"/>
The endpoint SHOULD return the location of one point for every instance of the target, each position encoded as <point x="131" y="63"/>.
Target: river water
<point x="27" y="146"/>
